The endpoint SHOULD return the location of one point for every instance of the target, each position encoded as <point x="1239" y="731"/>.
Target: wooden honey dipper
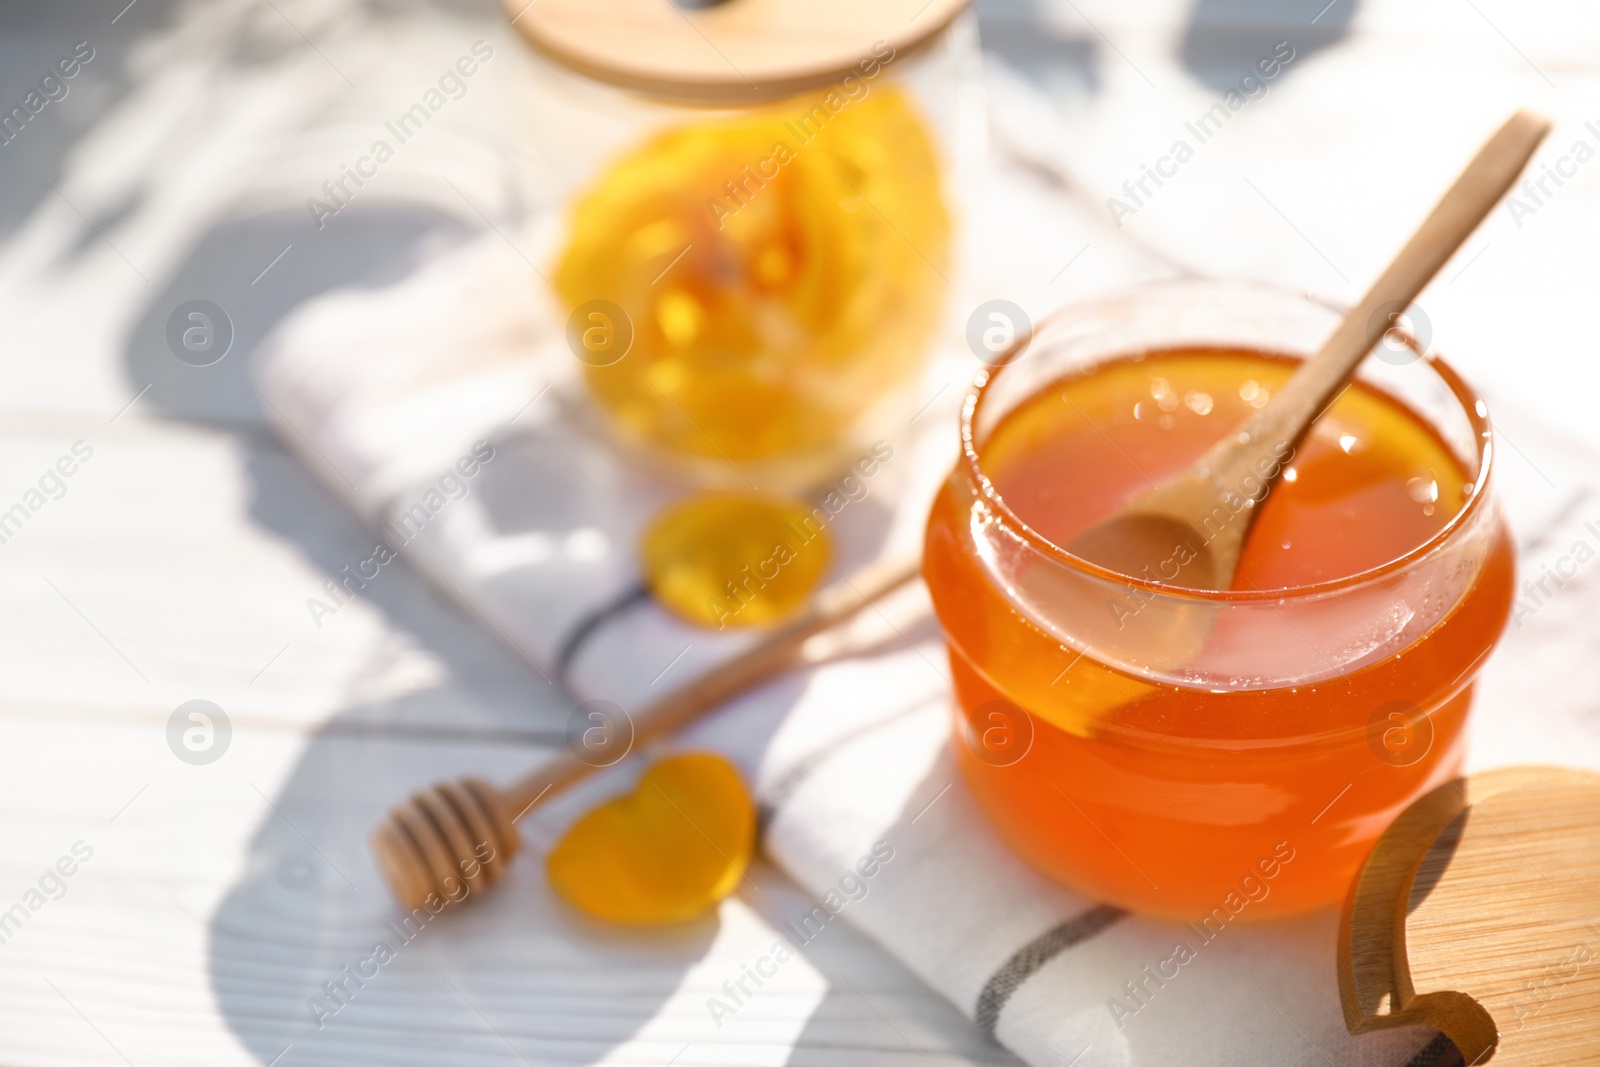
<point x="455" y="838"/>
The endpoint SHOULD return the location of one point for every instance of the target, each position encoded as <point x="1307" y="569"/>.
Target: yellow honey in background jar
<point x="782" y="271"/>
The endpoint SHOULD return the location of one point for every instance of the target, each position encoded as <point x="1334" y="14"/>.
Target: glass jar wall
<point x="755" y="243"/>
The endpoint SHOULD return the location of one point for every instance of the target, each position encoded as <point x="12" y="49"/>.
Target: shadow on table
<point x="1027" y="40"/>
<point x="309" y="960"/>
<point x="34" y="37"/>
<point x="295" y="964"/>
<point x="362" y="249"/>
<point x="1226" y="39"/>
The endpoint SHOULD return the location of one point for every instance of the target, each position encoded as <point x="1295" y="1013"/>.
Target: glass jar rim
<point x="971" y="460"/>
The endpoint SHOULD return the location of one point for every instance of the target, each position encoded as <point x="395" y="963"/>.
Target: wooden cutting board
<point x="1478" y="913"/>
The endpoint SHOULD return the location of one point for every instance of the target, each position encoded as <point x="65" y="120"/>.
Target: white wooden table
<point x="176" y="564"/>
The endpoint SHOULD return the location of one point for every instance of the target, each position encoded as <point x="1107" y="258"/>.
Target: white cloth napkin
<point x="440" y="411"/>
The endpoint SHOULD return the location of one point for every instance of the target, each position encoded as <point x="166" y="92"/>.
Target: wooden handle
<point x="1285" y="418"/>
<point x="773" y="654"/>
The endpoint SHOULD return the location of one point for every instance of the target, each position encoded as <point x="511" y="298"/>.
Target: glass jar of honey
<point x="1249" y="776"/>
<point x="758" y="214"/>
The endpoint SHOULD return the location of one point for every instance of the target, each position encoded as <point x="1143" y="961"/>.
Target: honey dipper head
<point x="445" y="843"/>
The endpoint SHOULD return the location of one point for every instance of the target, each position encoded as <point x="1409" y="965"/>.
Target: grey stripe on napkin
<point x="591" y="623"/>
<point x="1035" y="954"/>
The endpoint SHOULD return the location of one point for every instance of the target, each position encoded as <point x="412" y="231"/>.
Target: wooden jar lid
<point x="1478" y="912"/>
<point x="733" y="53"/>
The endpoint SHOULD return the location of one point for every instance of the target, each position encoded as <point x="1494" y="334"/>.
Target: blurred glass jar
<point x="760" y="213"/>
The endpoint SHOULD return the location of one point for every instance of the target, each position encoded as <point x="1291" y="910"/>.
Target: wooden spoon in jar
<point x="1187" y="517"/>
